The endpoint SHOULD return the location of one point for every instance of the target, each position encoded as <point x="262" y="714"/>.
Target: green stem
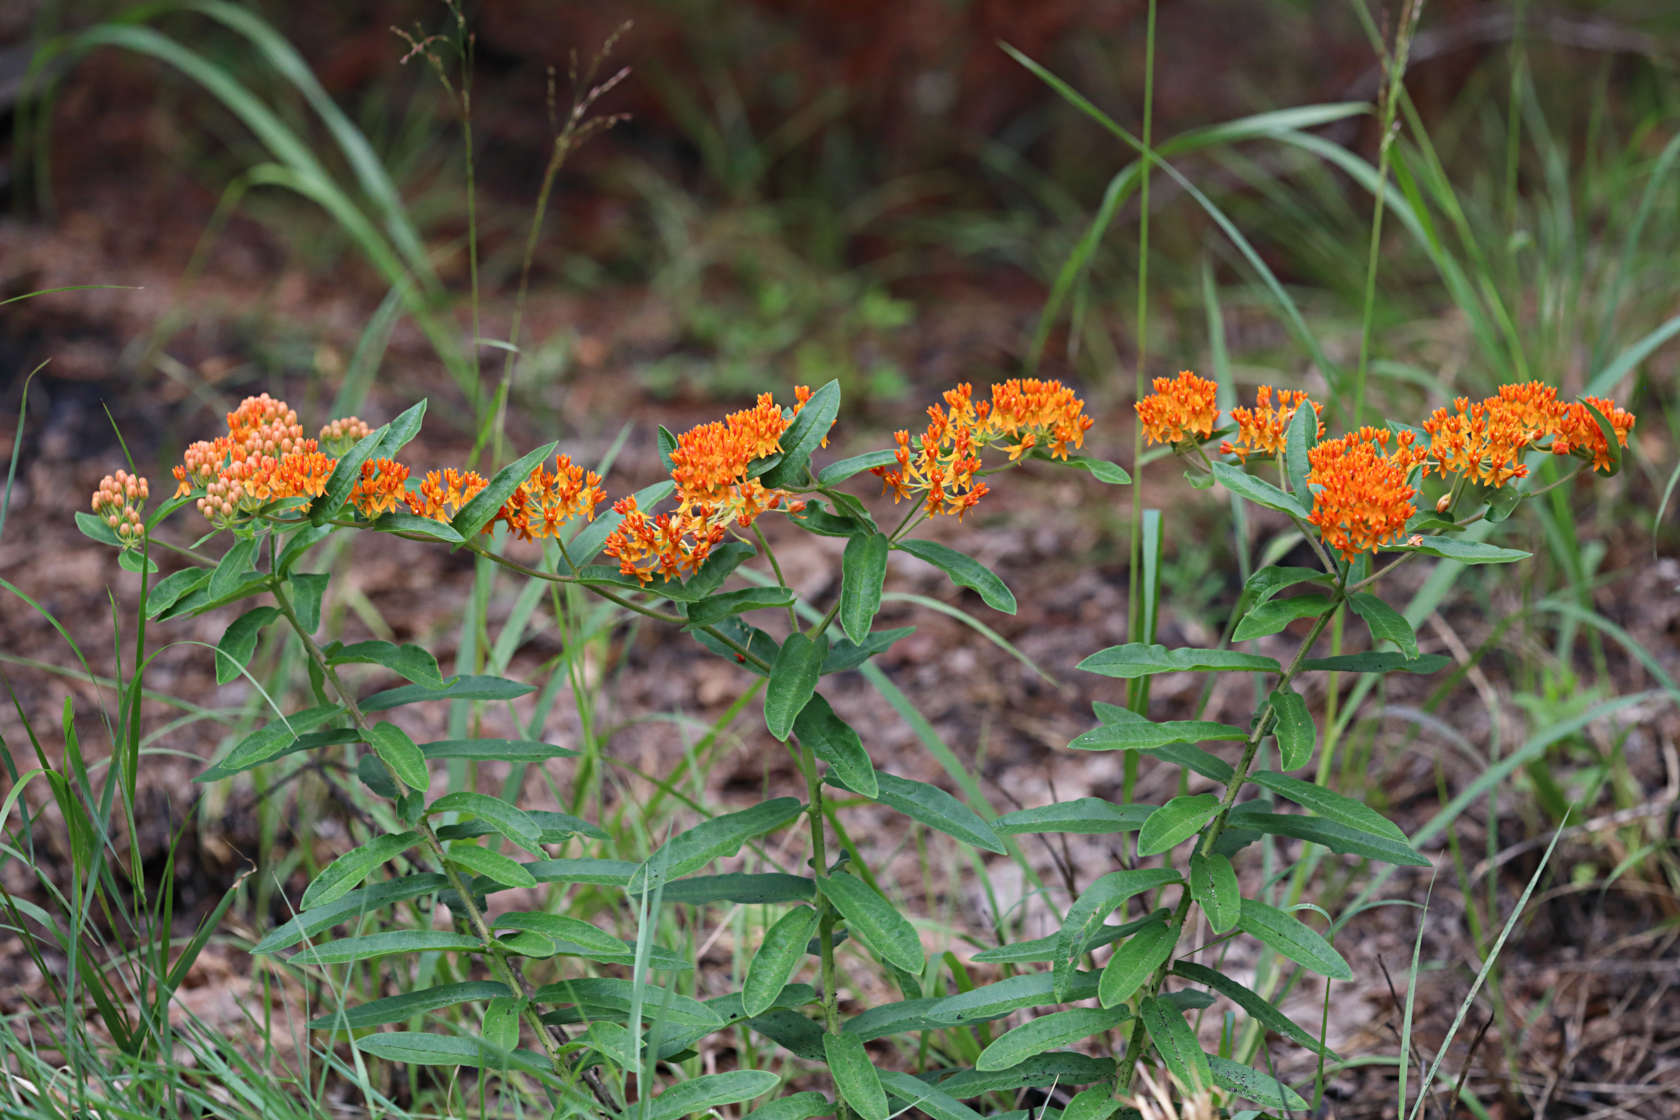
<point x="553" y="1036"/>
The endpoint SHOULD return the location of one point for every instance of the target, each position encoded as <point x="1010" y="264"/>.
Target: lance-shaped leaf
<point x="798" y="1106"/>
<point x="994" y="1001"/>
<point x="964" y="571"/>
<point x="477" y="513"/>
<point x="367" y="946"/>
<point x="1464" y="551"/>
<point x="233" y="570"/>
<point x="1293" y="938"/>
<point x="1258" y="1008"/>
<point x="842" y="469"/>
<point x="863" y="572"/>
<point x="611" y="998"/>
<point x="394" y="1009"/>
<point x="1048" y="1032"/>
<point x="580" y="937"/>
<point x="1064" y="1067"/>
<point x="1136" y="659"/>
<point x="1387" y="661"/>
<point x="418" y="1048"/>
<point x="920" y="1097"/>
<point x="464" y="687"/>
<point x="1302" y="435"/>
<point x="1272" y="615"/>
<point x="509" y="820"/>
<point x="1259" y="491"/>
<point x="1296" y="735"/>
<point x="1175" y="822"/>
<point x="709" y="1091"/>
<point x="1176" y="1043"/>
<point x="1093" y="905"/>
<point x="721" y="605"/>
<point x="1141" y="734"/>
<point x="399" y="522"/>
<point x="269" y="741"/>
<point x="348" y="907"/>
<point x="492" y="865"/>
<point x="832" y="739"/>
<point x="506" y="750"/>
<point x="779" y="954"/>
<point x="1091" y="1104"/>
<point x="1261" y="1088"/>
<point x="1089" y="815"/>
<point x="172" y="587"/>
<point x="873" y="920"/>
<point x="721" y="836"/>
<point x="1213" y="884"/>
<point x="239" y="641"/>
<point x="345" y="475"/>
<point x="342" y="875"/>
<point x="1101" y="469"/>
<point x="937" y="809"/>
<point x="400" y="753"/>
<point x="1337" y="837"/>
<point x="847" y="654"/>
<point x="740" y="887"/>
<point x="899" y="1017"/>
<point x="408" y="660"/>
<point x="1328" y="803"/>
<point x="854" y="1075"/>
<point x="1135" y="961"/>
<point x="803" y="437"/>
<point x="1386" y="623"/>
<point x="1268" y="581"/>
<point x="793" y="681"/>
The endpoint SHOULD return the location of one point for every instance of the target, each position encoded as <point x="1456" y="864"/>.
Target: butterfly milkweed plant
<point x="443" y="871"/>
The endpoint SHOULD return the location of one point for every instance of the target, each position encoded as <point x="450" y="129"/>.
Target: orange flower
<point x="712" y="458"/>
<point x="442" y="495"/>
<point x="1485" y="442"/>
<point x="1028" y="410"/>
<point x="304" y="473"/>
<point x="669" y="546"/>
<point x="117" y="503"/>
<point x="1361" y="500"/>
<point x="545" y="501"/>
<point x="1264" y="429"/>
<point x="1579" y="433"/>
<point x="380" y="489"/>
<point x="1178" y="408"/>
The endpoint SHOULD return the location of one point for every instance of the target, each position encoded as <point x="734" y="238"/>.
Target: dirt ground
<point x="1584" y="1010"/>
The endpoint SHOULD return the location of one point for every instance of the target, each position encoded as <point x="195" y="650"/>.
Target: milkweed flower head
<point x="940" y="468"/>
<point x="542" y="505"/>
<point x="1179" y="408"/>
<point x="118" y="501"/>
<point x="1579" y="434"/>
<point x="1264" y="429"/>
<point x="709" y="465"/>
<point x="1485" y="441"/>
<point x="1361" y="495"/>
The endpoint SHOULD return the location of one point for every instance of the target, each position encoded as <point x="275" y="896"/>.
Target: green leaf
<point x="557" y="828"/>
<point x="1386" y="623"/>
<point x="492" y="865"/>
<point x="392" y="744"/>
<point x="1089" y="910"/>
<point x="500" y="1026"/>
<point x="345" y="475"/>
<point x="463" y="687"/>
<point x="832" y="739"/>
<point x="271" y="740"/>
<point x="308" y="589"/>
<point x="409" y="661"/>
<point x="239" y="642"/>
<point x="169" y="590"/>
<point x="994" y="1001"/>
<point x="846" y="654"/>
<point x="1465" y="552"/>
<point x="1386" y="662"/>
<point x="721" y="605"/>
<point x="854" y="1075"/>
<point x="1213" y="884"/>
<point x="1293" y="938"/>
<point x="401" y="522"/>
<point x="1059" y="1068"/>
<point x="1303" y="434"/>
<point x="1194" y="759"/>
<point x="1089" y="815"/>
<point x="417" y="1048"/>
<point x="721" y="836"/>
<point x="815" y="519"/>
<point x="1268" y="581"/>
<point x="349" y="907"/>
<point x="793" y="681"/>
<point x="1297" y="738"/>
<point x="740" y="887"/>
<point x="299" y="542"/>
<point x="842" y="469"/>
<point x="803" y="437"/>
<point x="873" y="920"/>
<point x="963" y="571"/>
<point x="935" y="808"/>
<point x="129" y="560"/>
<point x="340" y="876"/>
<point x="1337" y="837"/>
<point x="1252" y="1002"/>
<point x="1175" y="822"/>
<point x="509" y="820"/>
<point x="1101" y="469"/>
<point x="97" y="530"/>
<point x="394" y="1009"/>
<point x="1142" y="734"/>
<point x="1176" y="1043"/>
<point x="1328" y="803"/>
<point x="1607" y="430"/>
<point x="778" y="956"/>
<point x="506" y="750"/>
<point x="1135" y="961"/>
<point x="232" y="570"/>
<point x="1048" y="1032"/>
<point x="750" y="638"/>
<point x="1259" y="491"/>
<point x="611" y="998"/>
<point x="1091" y="1104"/>
<point x="863" y="573"/>
<point x="400" y="431"/>
<point x="1272" y="615"/>
<point x="921" y="1097"/>
<point x="1258" y="1087"/>
<point x="708" y="1091"/>
<point x="798" y="1106"/>
<point x="477" y="513"/>
<point x="1135" y="659"/>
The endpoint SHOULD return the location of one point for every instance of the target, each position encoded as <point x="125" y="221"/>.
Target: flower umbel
<point x="1264" y="429"/>
<point x="1178" y="408"/>
<point x="118" y="502"/>
<point x="1361" y="500"/>
<point x="1579" y="433"/>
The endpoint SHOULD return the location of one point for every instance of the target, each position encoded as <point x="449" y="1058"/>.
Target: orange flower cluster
<point x="709" y="466"/>
<point x="1485" y="441"/>
<point x="1579" y="434"/>
<point x="265" y="458"/>
<point x="1264" y="429"/>
<point x="1361" y="500"/>
<point x="1178" y="408"/>
<point x="1022" y="413"/>
<point x="117" y="503"/>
